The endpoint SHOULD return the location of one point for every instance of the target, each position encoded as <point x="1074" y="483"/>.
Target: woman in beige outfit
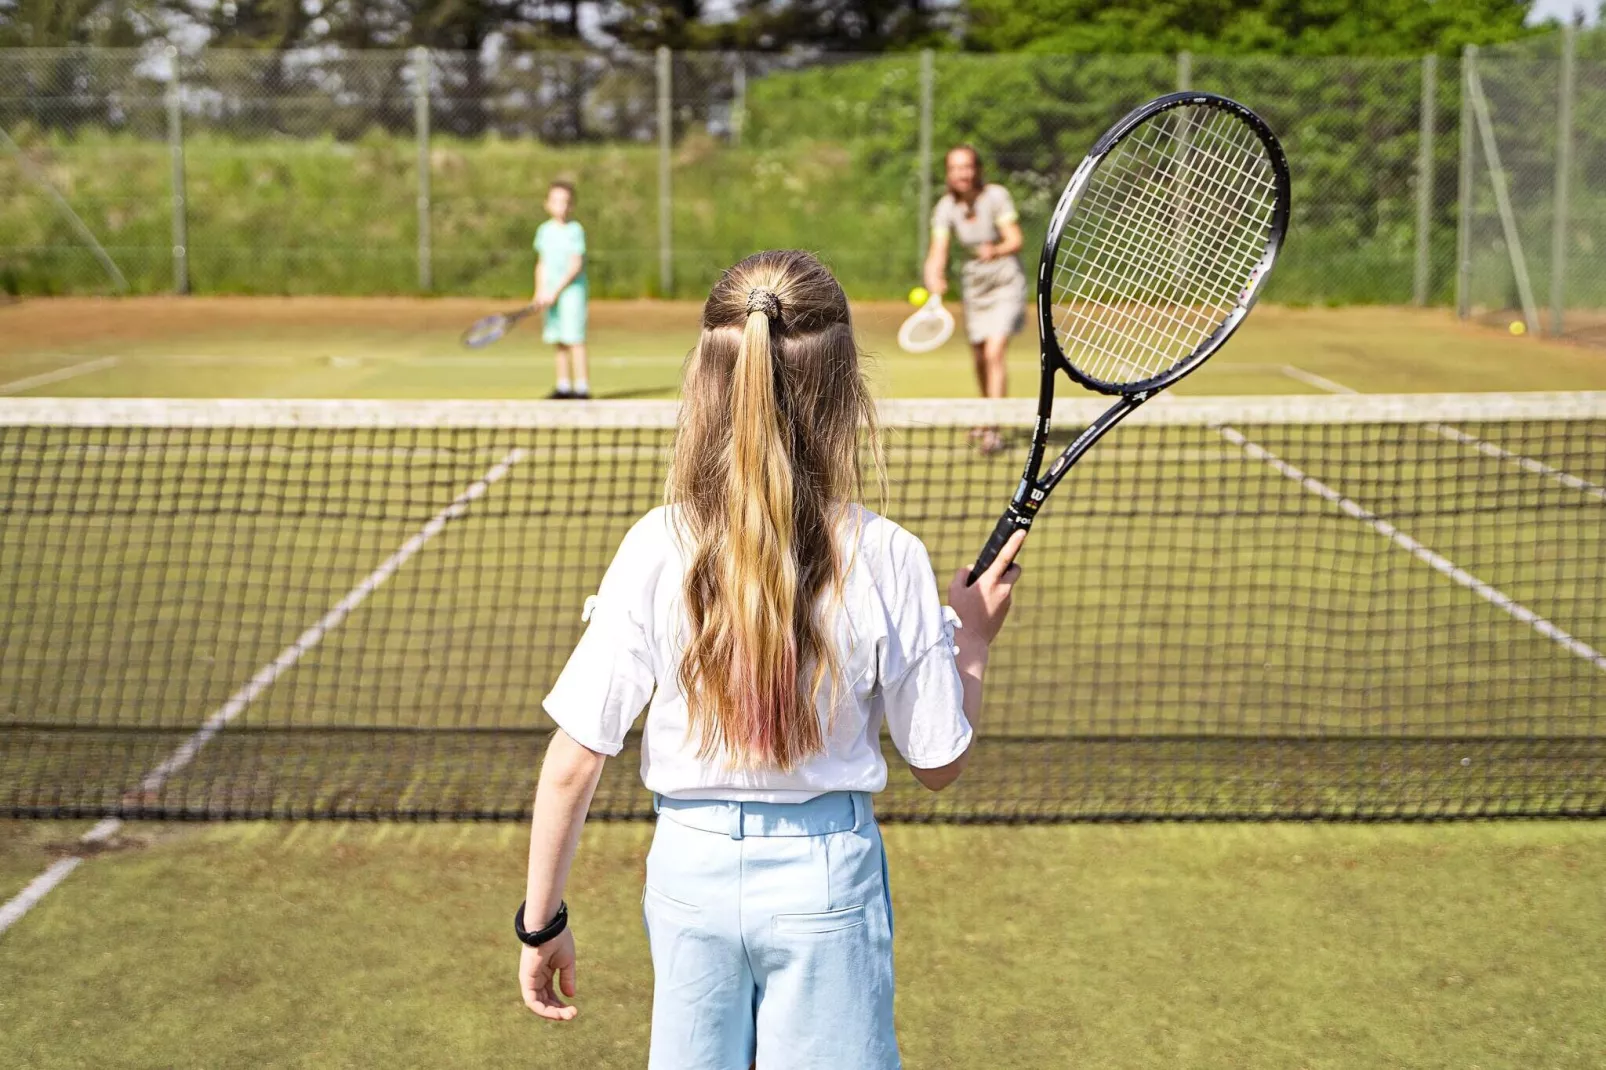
<point x="992" y="284"/>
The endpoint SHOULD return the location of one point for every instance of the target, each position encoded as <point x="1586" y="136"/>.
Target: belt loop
<point x="861" y="809"/>
<point x="657" y="803"/>
<point x="740" y="817"/>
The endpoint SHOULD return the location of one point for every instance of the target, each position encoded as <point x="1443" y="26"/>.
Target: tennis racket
<point x="491" y="328"/>
<point x="1154" y="255"/>
<point x="929" y="327"/>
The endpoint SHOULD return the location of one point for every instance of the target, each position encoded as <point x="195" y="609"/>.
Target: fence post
<point x="738" y="100"/>
<point x="1184" y="70"/>
<point x="923" y="222"/>
<point x="1502" y="201"/>
<point x="1463" y="230"/>
<point x="1424" y="178"/>
<point x="1564" y="167"/>
<point x="666" y="133"/>
<point x="175" y="151"/>
<point x="426" y="253"/>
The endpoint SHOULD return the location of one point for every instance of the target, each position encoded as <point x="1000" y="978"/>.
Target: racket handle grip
<point x="1008" y="524"/>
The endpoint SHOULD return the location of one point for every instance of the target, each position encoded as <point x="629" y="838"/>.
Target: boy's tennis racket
<point x="492" y="328"/>
<point x="928" y="328"/>
<point x="1154" y="255"/>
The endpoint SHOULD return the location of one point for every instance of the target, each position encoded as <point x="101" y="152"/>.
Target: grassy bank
<point x="325" y="216"/>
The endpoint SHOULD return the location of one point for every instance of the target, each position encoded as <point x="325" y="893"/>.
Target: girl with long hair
<point x="771" y="625"/>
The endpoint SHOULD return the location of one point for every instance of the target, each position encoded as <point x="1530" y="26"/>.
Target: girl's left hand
<point x="539" y="968"/>
<point x="985" y="251"/>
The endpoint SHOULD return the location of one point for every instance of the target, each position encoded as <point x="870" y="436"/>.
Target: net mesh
<point x="1166" y="236"/>
<point x="1337" y="607"/>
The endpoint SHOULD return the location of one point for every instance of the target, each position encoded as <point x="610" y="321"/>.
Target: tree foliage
<point x="1290" y="27"/>
<point x="1297" y="27"/>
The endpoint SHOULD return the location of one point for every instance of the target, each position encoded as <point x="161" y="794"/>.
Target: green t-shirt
<point x="557" y="244"/>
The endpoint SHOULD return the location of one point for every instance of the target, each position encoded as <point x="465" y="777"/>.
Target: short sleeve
<point x="1003" y="206"/>
<point x="540" y="232"/>
<point x="577" y="238"/>
<point x="941" y="218"/>
<point x="921" y="693"/>
<point x="609" y="678"/>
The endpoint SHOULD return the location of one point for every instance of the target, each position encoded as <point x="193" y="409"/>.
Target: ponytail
<point x="770" y="723"/>
<point x="765" y="468"/>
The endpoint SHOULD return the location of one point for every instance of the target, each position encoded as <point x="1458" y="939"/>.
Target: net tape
<point x="1248" y="607"/>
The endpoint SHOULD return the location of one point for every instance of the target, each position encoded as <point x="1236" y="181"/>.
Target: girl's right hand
<point x="983" y="605"/>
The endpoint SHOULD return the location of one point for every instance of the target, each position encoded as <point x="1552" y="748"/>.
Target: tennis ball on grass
<point x="919" y="296"/>
<point x="1518" y="327"/>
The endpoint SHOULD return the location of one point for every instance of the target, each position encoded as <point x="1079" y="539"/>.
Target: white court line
<point x="1455" y="434"/>
<point x="535" y="358"/>
<point x="1487" y="591"/>
<point x="41" y="886"/>
<point x="1320" y="382"/>
<point x="58" y="871"/>
<point x="72" y="371"/>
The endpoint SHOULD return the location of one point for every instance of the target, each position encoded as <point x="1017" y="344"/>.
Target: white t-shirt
<point x="895" y="646"/>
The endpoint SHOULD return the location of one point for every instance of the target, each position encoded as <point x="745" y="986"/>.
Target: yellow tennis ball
<point x="1518" y="327"/>
<point x="919" y="296"/>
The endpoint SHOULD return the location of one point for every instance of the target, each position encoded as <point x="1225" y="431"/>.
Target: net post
<point x="1502" y="200"/>
<point x="421" y="80"/>
<point x="1184" y="70"/>
<point x="666" y="267"/>
<point x="923" y="222"/>
<point x="1564" y="167"/>
<point x="738" y="100"/>
<point x="1463" y="230"/>
<point x="175" y="152"/>
<point x="1424" y="178"/>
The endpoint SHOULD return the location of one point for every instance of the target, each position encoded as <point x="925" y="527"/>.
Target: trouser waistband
<point x="835" y="811"/>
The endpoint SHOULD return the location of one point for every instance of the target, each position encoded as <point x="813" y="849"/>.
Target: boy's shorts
<point x="565" y="323"/>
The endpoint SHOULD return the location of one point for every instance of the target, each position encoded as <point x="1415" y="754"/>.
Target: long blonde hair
<point x="766" y="466"/>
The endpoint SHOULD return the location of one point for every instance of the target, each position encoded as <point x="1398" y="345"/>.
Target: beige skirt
<point x="994" y="293"/>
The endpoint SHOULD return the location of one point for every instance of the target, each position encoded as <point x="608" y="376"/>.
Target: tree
<point x="1302" y="27"/>
<point x="55" y="23"/>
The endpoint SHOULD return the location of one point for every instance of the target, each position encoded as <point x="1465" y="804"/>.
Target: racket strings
<point x="1168" y="309"/>
<point x="926" y="325"/>
<point x="1162" y="244"/>
<point x="1160" y="317"/>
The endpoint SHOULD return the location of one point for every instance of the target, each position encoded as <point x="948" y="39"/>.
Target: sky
<point x="1562" y="9"/>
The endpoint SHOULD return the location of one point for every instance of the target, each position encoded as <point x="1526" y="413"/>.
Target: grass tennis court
<point x="1261" y="945"/>
<point x="408" y="348"/>
<point x="1249" y="947"/>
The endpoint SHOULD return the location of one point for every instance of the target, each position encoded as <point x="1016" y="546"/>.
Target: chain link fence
<point x="387" y="172"/>
<point x="1533" y="250"/>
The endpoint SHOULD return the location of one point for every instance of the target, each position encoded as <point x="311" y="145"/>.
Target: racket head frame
<point x="1053" y="355"/>
<point x="481" y="333"/>
<point x="932" y="311"/>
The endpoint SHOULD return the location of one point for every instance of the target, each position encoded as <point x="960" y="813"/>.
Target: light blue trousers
<point x="771" y="933"/>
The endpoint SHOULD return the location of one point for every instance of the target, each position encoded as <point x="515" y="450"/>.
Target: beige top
<point x="992" y="208"/>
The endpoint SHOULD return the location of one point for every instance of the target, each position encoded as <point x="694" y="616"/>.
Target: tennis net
<point x="1323" y="607"/>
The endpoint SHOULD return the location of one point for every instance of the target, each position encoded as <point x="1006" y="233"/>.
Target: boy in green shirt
<point x="561" y="290"/>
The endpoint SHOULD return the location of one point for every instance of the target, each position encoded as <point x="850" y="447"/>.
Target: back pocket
<point x="825" y="921"/>
<point x="653" y="899"/>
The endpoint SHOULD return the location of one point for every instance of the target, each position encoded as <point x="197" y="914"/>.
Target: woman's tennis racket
<point x="928" y="328"/>
<point x="492" y="328"/>
<point x="1154" y="255"/>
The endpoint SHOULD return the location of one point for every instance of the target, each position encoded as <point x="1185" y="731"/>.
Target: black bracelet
<point x="558" y="923"/>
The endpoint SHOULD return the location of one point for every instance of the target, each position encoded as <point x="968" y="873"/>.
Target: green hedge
<point x="828" y="162"/>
